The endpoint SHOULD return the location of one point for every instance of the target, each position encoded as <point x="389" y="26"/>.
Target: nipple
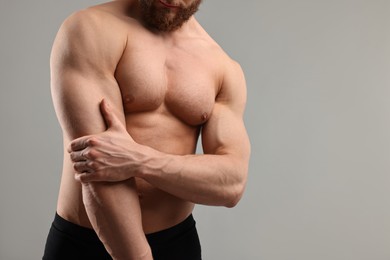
<point x="129" y="99"/>
<point x="204" y="116"/>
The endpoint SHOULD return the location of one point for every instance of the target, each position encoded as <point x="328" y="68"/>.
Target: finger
<point x="82" y="167"/>
<point x="78" y="144"/>
<point x="81" y="143"/>
<point x="78" y="156"/>
<point x="109" y="116"/>
<point x="84" y="155"/>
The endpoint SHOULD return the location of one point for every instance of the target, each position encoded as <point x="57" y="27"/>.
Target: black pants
<point x="68" y="241"/>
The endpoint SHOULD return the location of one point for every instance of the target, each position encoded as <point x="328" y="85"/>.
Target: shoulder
<point x="233" y="69"/>
<point x="232" y="90"/>
<point x="91" y="22"/>
<point x="230" y="70"/>
<point x="88" y="37"/>
<point x="233" y="84"/>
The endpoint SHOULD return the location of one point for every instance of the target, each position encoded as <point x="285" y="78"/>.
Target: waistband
<point x="156" y="238"/>
<point x="171" y="234"/>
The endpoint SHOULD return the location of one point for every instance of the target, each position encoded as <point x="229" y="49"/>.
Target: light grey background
<point x="318" y="116"/>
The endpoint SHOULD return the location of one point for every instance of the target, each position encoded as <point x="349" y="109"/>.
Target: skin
<point x="132" y="102"/>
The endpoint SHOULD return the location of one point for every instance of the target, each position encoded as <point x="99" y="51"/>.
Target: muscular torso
<point x="168" y="89"/>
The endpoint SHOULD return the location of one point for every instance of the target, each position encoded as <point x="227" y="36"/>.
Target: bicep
<point x="225" y="134"/>
<point x="76" y="99"/>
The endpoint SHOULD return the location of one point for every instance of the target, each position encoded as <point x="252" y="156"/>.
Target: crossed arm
<point x="215" y="178"/>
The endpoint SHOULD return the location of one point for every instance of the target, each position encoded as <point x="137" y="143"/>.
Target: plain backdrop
<point x="318" y="116"/>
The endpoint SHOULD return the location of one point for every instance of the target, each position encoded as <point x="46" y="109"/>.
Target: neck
<point x="189" y="28"/>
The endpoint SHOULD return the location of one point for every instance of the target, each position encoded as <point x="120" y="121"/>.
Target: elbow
<point x="235" y="191"/>
<point x="235" y="195"/>
<point x="232" y="203"/>
<point x="233" y="200"/>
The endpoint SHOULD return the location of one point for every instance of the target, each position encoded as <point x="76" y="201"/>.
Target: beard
<point x="166" y="19"/>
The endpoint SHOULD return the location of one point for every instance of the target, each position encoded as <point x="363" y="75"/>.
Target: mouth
<point x="168" y="5"/>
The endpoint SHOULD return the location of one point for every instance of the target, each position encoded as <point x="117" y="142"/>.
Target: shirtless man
<point x="134" y="84"/>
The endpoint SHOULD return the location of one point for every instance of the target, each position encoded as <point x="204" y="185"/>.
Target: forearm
<point x="114" y="211"/>
<point x="206" y="179"/>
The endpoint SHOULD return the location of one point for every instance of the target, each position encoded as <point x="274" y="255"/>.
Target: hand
<point x="109" y="156"/>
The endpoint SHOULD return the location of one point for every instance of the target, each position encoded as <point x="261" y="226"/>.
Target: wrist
<point x="156" y="163"/>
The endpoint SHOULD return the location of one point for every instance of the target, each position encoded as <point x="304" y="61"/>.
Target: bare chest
<point x="178" y="81"/>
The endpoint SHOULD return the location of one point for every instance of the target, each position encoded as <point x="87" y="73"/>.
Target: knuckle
<point x="92" y="141"/>
<point x="92" y="154"/>
<point x="87" y="153"/>
<point x="92" y="165"/>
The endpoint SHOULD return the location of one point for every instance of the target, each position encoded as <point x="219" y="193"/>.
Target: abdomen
<point x="160" y="210"/>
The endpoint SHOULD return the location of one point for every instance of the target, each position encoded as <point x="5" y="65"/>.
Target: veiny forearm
<point x="114" y="211"/>
<point x="217" y="180"/>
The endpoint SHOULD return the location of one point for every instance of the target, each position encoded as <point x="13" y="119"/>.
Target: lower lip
<point x="168" y="5"/>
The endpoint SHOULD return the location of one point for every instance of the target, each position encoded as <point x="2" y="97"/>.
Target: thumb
<point x="109" y="116"/>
